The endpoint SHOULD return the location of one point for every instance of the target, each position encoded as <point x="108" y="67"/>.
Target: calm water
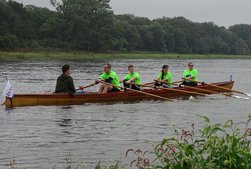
<point x="42" y="137"/>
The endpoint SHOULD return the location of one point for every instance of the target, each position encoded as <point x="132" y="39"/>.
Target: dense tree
<point x="244" y="32"/>
<point x="87" y="23"/>
<point x="90" y="25"/>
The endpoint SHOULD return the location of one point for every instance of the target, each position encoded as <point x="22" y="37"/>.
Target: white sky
<point x="221" y="12"/>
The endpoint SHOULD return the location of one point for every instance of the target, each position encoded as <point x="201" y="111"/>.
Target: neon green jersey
<point x="111" y="77"/>
<point x="188" y="74"/>
<point x="167" y="77"/>
<point x="134" y="75"/>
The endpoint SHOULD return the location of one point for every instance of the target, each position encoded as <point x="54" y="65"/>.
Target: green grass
<point x="53" y="55"/>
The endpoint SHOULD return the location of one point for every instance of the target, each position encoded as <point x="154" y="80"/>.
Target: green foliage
<point x="222" y="146"/>
<point x="244" y="32"/>
<point x="87" y="24"/>
<point x="90" y="25"/>
<point x="9" y="42"/>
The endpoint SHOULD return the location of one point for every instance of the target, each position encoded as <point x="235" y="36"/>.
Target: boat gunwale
<point x="66" y="95"/>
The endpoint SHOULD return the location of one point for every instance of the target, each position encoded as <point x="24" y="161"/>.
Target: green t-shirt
<point x="167" y="77"/>
<point x="134" y="75"/>
<point x="187" y="74"/>
<point x="112" y="75"/>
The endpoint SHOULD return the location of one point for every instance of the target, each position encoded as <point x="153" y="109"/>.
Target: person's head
<point x="190" y="65"/>
<point x="131" y="68"/>
<point x="165" y="69"/>
<point x="107" y="68"/>
<point x="66" y="69"/>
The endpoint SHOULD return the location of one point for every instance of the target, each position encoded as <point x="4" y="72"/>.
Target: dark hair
<point x="163" y="67"/>
<point x="65" y="68"/>
<point x="130" y="66"/>
<point x="108" y="65"/>
<point x="190" y="63"/>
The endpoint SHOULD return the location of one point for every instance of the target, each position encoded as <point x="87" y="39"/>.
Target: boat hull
<point x="66" y="99"/>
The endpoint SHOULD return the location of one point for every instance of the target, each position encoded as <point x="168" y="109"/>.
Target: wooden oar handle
<point x="84" y="87"/>
<point x="203" y="83"/>
<point x="138" y="91"/>
<point x="177" y="90"/>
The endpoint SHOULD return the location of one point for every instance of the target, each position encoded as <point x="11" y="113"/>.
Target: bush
<point x="218" y="146"/>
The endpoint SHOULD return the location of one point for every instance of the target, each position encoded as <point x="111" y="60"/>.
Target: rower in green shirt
<point x="190" y="73"/>
<point x="109" y="76"/>
<point x="164" y="78"/>
<point x="132" y="80"/>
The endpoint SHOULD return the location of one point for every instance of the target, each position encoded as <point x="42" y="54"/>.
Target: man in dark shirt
<point x="65" y="81"/>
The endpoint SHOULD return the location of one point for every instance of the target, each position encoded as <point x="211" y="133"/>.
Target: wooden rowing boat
<point x="66" y="99"/>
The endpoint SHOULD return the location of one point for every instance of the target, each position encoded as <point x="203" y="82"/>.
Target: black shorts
<point x="132" y="86"/>
<point x="114" y="89"/>
<point x="162" y="85"/>
<point x="192" y="84"/>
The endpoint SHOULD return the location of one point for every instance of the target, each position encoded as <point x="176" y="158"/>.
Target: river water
<point x="44" y="136"/>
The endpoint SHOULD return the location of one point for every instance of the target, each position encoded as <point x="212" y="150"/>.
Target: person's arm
<point x="101" y="78"/>
<point x="192" y="77"/>
<point x="185" y="75"/>
<point x="131" y="80"/>
<point x="107" y="80"/>
<point x="158" y="80"/>
<point x="71" y="86"/>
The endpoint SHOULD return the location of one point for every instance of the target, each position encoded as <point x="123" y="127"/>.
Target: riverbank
<point x="91" y="56"/>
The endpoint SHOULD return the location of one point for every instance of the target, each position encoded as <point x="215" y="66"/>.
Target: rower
<point x="65" y="81"/>
<point x="190" y="73"/>
<point x="164" y="78"/>
<point x="109" y="76"/>
<point x="132" y="80"/>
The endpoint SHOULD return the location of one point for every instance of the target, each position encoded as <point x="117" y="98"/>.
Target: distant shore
<point x="54" y="55"/>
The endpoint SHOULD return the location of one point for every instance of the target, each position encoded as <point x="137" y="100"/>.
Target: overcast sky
<point x="221" y="12"/>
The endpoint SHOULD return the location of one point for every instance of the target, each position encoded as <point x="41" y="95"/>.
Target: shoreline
<point x="54" y="55"/>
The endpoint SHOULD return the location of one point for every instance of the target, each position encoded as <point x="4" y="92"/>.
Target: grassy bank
<point x="89" y="56"/>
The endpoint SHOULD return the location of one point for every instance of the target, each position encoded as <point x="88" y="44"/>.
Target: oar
<point x="176" y="90"/>
<point x="198" y="89"/>
<point x="150" y="83"/>
<point x="138" y="91"/>
<point x="84" y="87"/>
<point x="224" y="88"/>
<point x="202" y="90"/>
<point x="47" y="92"/>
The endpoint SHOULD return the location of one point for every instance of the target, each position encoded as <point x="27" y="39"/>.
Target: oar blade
<point x="248" y="94"/>
<point x="240" y="97"/>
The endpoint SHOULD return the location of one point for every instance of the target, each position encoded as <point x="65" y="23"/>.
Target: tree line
<point x="91" y="25"/>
